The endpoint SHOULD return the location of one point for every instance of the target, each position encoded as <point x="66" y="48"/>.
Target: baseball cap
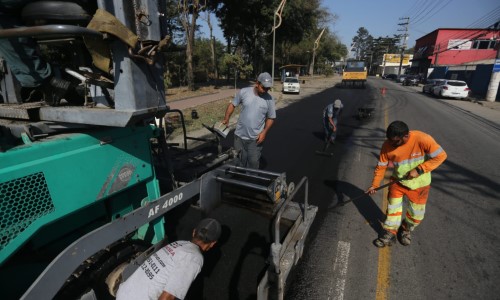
<point x="265" y="79"/>
<point x="208" y="230"/>
<point x="337" y="103"/>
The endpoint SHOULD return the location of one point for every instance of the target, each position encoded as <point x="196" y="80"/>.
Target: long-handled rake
<point x="327" y="144"/>
<point x="342" y="203"/>
<point x="324" y="152"/>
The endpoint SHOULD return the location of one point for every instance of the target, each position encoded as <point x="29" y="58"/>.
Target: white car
<point x="430" y="84"/>
<point x="452" y="89"/>
<point x="291" y="85"/>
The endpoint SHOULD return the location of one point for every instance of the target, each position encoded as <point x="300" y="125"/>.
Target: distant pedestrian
<point x="414" y="155"/>
<point x="331" y="115"/>
<point x="256" y="118"/>
<point x="168" y="273"/>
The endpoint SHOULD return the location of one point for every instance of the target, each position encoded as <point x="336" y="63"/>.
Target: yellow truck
<point x="354" y="74"/>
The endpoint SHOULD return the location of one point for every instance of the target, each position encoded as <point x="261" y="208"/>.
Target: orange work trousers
<point x="415" y="209"/>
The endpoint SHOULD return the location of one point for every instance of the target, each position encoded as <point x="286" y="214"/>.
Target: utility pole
<point x="491" y="94"/>
<point x="436" y="56"/>
<point x="383" y="44"/>
<point x="405" y="36"/>
<point x="371" y="59"/>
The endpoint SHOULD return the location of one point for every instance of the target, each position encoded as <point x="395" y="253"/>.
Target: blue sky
<point x="381" y="17"/>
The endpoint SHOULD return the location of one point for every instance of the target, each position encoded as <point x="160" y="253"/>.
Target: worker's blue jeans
<point x="249" y="152"/>
<point x="330" y="135"/>
<point x="21" y="53"/>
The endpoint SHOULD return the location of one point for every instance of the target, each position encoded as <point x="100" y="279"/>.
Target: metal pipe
<point x="183" y="125"/>
<point x="47" y="31"/>
<point x="75" y="74"/>
<point x="242" y="184"/>
<point x="256" y="171"/>
<point x="249" y="176"/>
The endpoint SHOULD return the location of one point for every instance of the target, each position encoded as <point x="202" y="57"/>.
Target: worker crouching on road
<point x="168" y="273"/>
<point x="256" y="118"/>
<point x="331" y="115"/>
<point x="414" y="155"/>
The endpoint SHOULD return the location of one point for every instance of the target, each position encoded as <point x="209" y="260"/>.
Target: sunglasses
<point x="264" y="88"/>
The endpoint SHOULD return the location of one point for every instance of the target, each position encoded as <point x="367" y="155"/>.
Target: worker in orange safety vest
<point x="414" y="155"/>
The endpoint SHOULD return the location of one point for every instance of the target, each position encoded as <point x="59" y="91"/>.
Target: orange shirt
<point x="420" y="150"/>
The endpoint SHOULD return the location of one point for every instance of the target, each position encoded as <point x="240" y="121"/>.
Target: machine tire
<point x="92" y="276"/>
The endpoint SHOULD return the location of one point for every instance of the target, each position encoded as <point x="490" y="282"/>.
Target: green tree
<point x="202" y="58"/>
<point x="383" y="45"/>
<point x="235" y="64"/>
<point x="247" y="27"/>
<point x="362" y="42"/>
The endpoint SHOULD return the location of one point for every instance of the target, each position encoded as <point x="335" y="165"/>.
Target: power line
<point x="425" y="18"/>
<point x="483" y="22"/>
<point x="470" y="37"/>
<point x="466" y="35"/>
<point x="428" y="7"/>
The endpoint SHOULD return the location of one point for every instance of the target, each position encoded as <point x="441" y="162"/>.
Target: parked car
<point x="389" y="76"/>
<point x="430" y="83"/>
<point x="412" y="80"/>
<point x="291" y="85"/>
<point x="451" y="88"/>
<point x="401" y="78"/>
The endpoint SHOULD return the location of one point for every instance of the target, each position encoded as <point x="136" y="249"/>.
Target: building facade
<point x="454" y="46"/>
<point x="458" y="53"/>
<point x="391" y="62"/>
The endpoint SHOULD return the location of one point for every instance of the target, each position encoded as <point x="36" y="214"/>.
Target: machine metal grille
<point x="22" y="201"/>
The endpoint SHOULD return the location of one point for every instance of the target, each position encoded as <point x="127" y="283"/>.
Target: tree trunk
<point x="229" y="41"/>
<point x="189" y="50"/>
<point x="212" y="49"/>
<point x="185" y="10"/>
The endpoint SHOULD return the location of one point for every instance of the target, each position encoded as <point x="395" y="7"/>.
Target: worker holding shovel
<point x="414" y="155"/>
<point x="331" y="115"/>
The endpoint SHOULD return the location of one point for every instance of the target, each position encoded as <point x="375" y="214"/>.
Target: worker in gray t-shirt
<point x="331" y="115"/>
<point x="256" y="118"/>
<point x="169" y="272"/>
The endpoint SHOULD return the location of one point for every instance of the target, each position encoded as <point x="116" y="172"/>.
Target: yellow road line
<point x="384" y="265"/>
<point x="384" y="254"/>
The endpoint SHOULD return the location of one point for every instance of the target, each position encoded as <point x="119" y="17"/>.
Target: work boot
<point x="54" y="90"/>
<point x="387" y="239"/>
<point x="404" y="235"/>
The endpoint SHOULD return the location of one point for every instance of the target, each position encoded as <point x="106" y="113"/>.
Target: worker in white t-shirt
<point x="168" y="273"/>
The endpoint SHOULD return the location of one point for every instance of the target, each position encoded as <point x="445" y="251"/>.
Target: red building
<point x="454" y="46"/>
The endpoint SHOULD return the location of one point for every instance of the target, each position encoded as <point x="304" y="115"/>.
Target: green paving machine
<point x="90" y="186"/>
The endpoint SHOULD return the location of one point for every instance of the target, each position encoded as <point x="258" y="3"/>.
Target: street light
<point x="277" y="13"/>
<point x="316" y="46"/>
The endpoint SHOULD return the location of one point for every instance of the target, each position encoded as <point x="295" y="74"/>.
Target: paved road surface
<point x="453" y="255"/>
<point x="489" y="111"/>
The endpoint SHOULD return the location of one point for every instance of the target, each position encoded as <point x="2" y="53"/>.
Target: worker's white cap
<point x="337" y="103"/>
